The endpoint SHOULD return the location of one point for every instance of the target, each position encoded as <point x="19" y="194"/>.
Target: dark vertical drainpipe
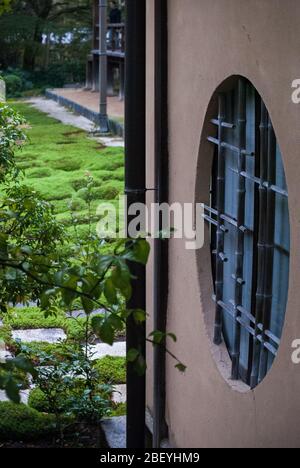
<point x="103" y="118"/>
<point x="135" y="179"/>
<point x="161" y="282"/>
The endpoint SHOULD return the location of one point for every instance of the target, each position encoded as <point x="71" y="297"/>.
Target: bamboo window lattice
<point x="249" y="224"/>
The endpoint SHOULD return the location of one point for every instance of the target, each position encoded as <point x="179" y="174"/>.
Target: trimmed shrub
<point x="14" y="85"/>
<point x="19" y="422"/>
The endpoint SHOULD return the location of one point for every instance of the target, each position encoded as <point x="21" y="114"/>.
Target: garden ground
<point x="56" y="162"/>
<point x="59" y="157"/>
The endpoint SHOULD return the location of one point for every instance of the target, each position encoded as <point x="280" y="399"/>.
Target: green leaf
<point x="139" y="316"/>
<point x="23" y="363"/>
<point x="110" y="291"/>
<point x="122" y="280"/>
<point x="45" y="298"/>
<point x="115" y="322"/>
<point x="68" y="297"/>
<point x="181" y="367"/>
<point x="12" y="390"/>
<point x="103" y="329"/>
<point x="140" y="365"/>
<point x="172" y="336"/>
<point x="132" y="355"/>
<point x="141" y="251"/>
<point x="11" y="274"/>
<point x="87" y="304"/>
<point x="157" y="337"/>
<point x="103" y="264"/>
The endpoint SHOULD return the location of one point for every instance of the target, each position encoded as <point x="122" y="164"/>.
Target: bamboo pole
<point x="270" y="231"/>
<point x="240" y="240"/>
<point x="219" y="284"/>
<point x="261" y="244"/>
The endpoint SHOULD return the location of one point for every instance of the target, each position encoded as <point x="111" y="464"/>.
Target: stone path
<point x="101" y="350"/>
<point x="120" y="394"/>
<point x="81" y="313"/>
<point x="4" y="354"/>
<point x="115" y="432"/>
<point x="67" y="117"/>
<point x="24" y="396"/>
<point x="51" y="335"/>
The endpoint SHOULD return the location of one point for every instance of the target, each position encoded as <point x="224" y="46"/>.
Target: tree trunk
<point x="32" y="49"/>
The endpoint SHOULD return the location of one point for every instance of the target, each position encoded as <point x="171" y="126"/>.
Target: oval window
<point x="250" y="232"/>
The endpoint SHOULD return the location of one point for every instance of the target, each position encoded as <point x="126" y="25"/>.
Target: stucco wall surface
<point x="210" y="40"/>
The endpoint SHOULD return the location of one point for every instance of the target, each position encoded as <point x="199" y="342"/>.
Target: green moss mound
<point x="119" y="410"/>
<point x="20" y="422"/>
<point x="38" y="401"/>
<point x="112" y="370"/>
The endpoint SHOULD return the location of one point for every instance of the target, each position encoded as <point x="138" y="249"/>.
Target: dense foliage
<point x="30" y="257"/>
<point x="44" y="43"/>
<point x="37" y="33"/>
<point x="89" y="274"/>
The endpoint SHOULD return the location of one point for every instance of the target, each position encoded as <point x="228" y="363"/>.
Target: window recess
<point x="250" y="233"/>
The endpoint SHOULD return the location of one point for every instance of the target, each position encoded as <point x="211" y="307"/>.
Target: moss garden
<point x="56" y="161"/>
<point x="67" y="386"/>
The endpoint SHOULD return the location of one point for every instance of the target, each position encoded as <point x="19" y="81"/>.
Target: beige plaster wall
<point x="210" y="40"/>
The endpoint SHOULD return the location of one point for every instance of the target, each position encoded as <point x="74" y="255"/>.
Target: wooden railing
<point x="116" y="39"/>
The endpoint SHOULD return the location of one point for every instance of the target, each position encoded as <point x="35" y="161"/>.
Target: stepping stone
<point x="22" y="306"/>
<point x="4" y="354"/>
<point x="51" y="335"/>
<point x="101" y="350"/>
<point x="120" y="394"/>
<point x="115" y="432"/>
<point x="112" y="142"/>
<point x="24" y="396"/>
<point x="81" y="313"/>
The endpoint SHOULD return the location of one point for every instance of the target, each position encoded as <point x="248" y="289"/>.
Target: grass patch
<point x="57" y="159"/>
